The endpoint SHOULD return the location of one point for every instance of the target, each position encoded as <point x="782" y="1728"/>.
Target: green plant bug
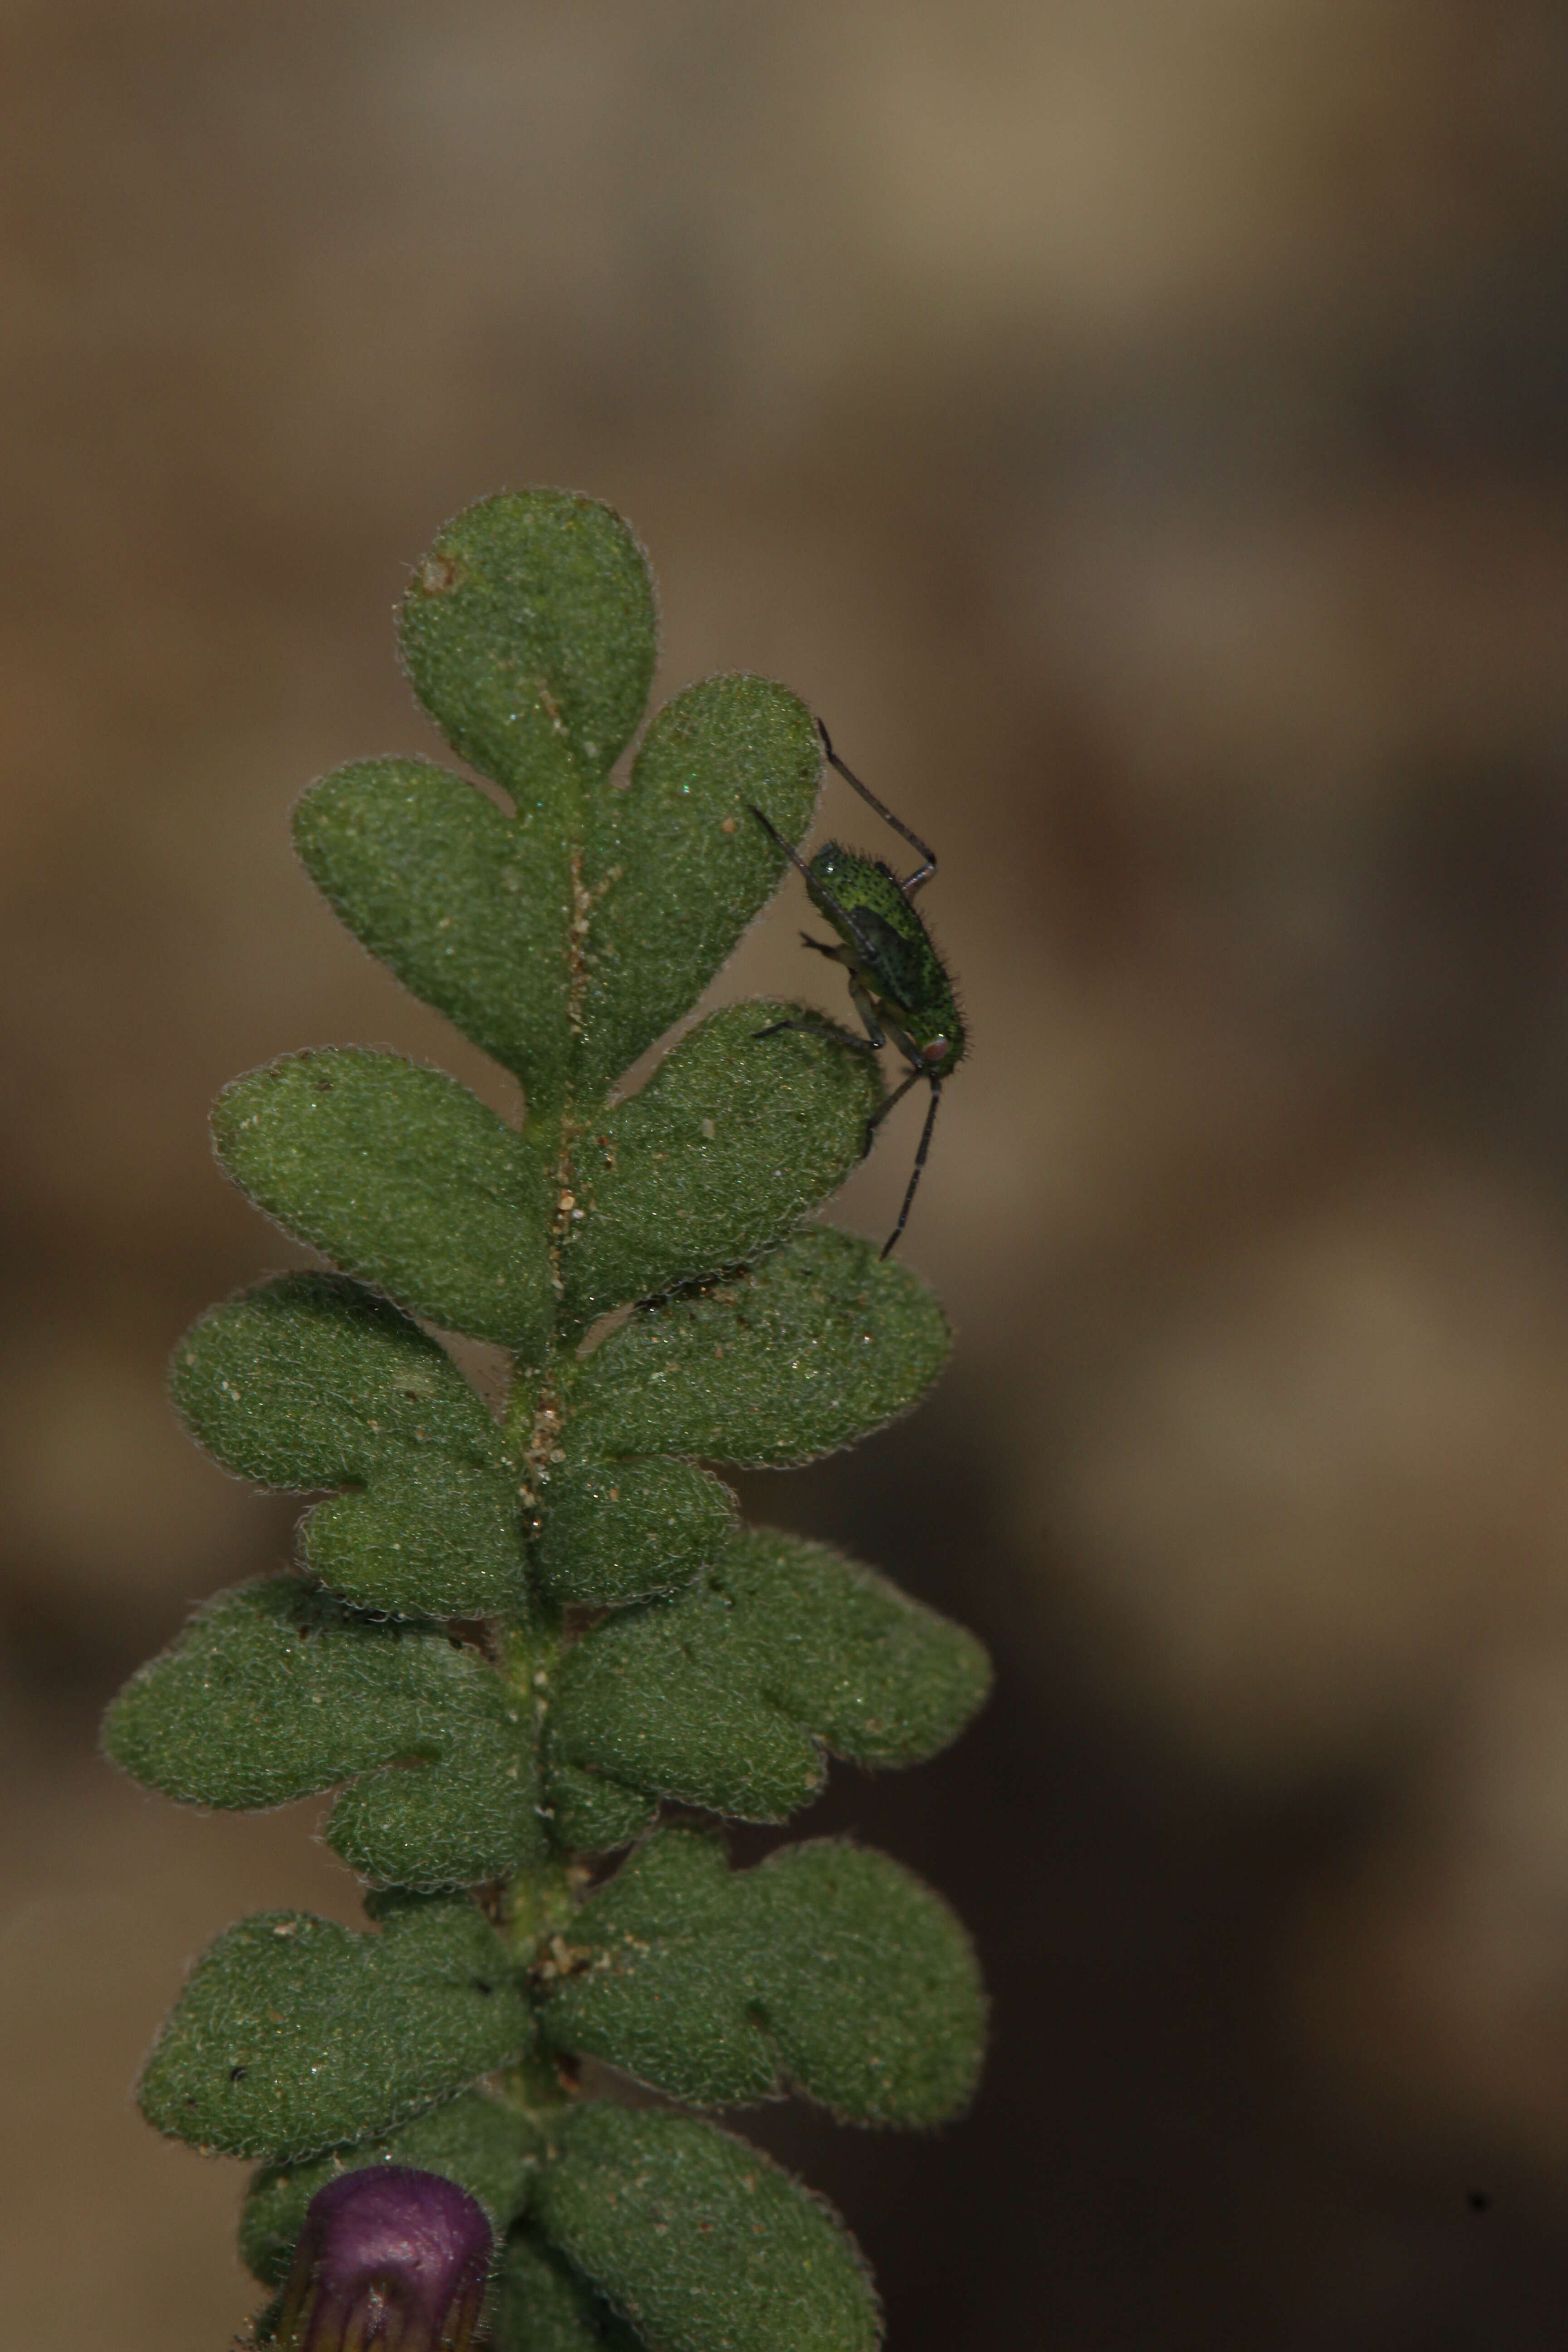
<point x="898" y="982"/>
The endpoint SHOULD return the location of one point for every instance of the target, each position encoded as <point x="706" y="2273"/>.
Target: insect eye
<point x="937" y="1050"/>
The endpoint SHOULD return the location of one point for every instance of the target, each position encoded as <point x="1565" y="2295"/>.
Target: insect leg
<point x="889" y="1102"/>
<point x="892" y="1241"/>
<point x="820" y="1027"/>
<point x="906" y="1047"/>
<point x="864" y="1007"/>
<point x="922" y="873"/>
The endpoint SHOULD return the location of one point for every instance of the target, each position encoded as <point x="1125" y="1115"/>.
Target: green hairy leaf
<point x="698" y="2240"/>
<point x="726" y="1694"/>
<point x="400" y="1176"/>
<point x="469" y="907"/>
<point x="676" y="864"/>
<point x="590" y="1813"/>
<point x="312" y="1381"/>
<point x="818" y="1344"/>
<point x="274" y="1693"/>
<point x="620" y="1531"/>
<point x="294" y="2034"/>
<point x="422" y="1547"/>
<point x="828" y="1968"/>
<point x="530" y="635"/>
<point x="541" y="2305"/>
<point x="733" y="1140"/>
<point x="487" y="2148"/>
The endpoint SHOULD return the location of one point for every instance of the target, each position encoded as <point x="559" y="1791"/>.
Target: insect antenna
<point x="922" y="873"/>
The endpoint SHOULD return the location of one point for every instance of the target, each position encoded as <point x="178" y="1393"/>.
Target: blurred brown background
<point x="1139" y="425"/>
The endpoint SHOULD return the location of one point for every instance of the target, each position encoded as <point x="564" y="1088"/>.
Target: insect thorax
<point x="891" y="945"/>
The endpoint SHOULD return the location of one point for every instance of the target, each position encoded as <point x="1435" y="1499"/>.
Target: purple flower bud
<point x="389" y="2260"/>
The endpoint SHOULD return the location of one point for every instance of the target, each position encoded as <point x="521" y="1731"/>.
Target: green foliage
<point x="275" y="1692"/>
<point x="675" y="865"/>
<point x="730" y="1142"/>
<point x="589" y="1813"/>
<point x="470" y="908"/>
<point x="519" y="1638"/>
<point x="312" y="1382"/>
<point x="564" y="951"/>
<point x="698" y="2240"/>
<point x="614" y="1532"/>
<point x="817" y="1344"/>
<point x="400" y="1176"/>
<point x="541" y="2305"/>
<point x="294" y="2034"/>
<point x="826" y="1969"/>
<point x="416" y="1546"/>
<point x="528" y="632"/>
<point x="726" y="1694"/>
<point x="530" y="635"/>
<point x="487" y="2147"/>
